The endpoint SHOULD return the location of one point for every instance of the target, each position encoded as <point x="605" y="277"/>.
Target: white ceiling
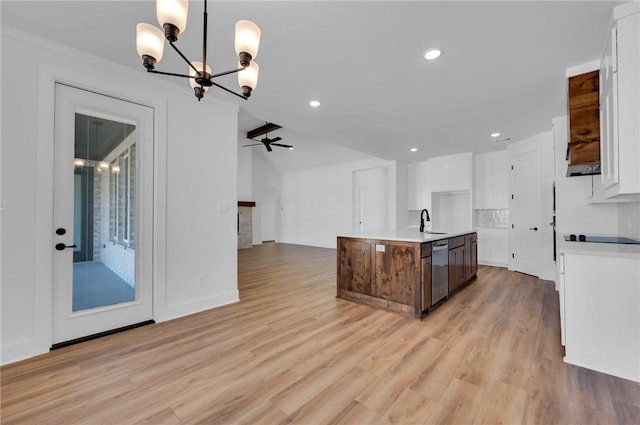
<point x="503" y="67"/>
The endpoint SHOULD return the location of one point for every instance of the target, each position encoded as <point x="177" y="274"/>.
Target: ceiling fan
<point x="266" y="141"/>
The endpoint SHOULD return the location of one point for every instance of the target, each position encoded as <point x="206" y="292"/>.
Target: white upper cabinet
<point x="620" y="104"/>
<point x="419" y="186"/>
<point x="451" y="173"/>
<point x="491" y="180"/>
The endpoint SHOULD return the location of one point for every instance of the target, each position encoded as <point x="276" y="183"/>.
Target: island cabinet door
<point x="426" y="283"/>
<point x="470" y="255"/>
<point x="355" y="265"/>
<point x="397" y="275"/>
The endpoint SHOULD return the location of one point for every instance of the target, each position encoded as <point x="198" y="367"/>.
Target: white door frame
<point x="69" y="325"/>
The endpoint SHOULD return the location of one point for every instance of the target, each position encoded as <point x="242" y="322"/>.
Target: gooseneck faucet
<point x="422" y="219"/>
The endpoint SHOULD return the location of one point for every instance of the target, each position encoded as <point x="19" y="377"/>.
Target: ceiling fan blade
<point x="267" y="145"/>
<point x="276" y="139"/>
<point x="281" y="145"/>
<point x="253" y="144"/>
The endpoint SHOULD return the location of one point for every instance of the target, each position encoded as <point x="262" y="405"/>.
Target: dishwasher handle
<point x="440" y="247"/>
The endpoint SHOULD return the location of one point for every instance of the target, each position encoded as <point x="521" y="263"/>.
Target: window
<point x="122" y="185"/>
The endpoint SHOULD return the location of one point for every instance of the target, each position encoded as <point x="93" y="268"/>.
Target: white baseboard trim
<point x="184" y="309"/>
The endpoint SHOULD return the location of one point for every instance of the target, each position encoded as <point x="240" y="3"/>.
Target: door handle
<point x="61" y="247"/>
<point x="535" y="229"/>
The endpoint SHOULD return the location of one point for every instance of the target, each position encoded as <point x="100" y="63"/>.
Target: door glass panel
<point x="105" y="187"/>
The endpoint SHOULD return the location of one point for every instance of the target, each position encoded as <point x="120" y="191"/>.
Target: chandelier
<point x="172" y="16"/>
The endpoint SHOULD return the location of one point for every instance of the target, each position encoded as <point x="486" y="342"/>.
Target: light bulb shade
<point x="173" y="12"/>
<point x="247" y="38"/>
<point x="149" y="41"/>
<point x="248" y="77"/>
<point x="192" y="73"/>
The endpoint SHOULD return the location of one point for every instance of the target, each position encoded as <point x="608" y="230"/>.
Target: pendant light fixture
<point x="172" y="16"/>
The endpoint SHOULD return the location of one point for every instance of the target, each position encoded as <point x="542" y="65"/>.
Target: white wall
<point x="317" y="204"/>
<point x="629" y="220"/>
<point x="245" y="172"/>
<point x="195" y="200"/>
<point x="264" y="175"/>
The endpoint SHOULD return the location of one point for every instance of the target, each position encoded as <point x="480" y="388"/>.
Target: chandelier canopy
<point x="172" y="16"/>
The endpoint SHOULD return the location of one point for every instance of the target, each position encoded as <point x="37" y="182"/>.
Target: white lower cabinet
<point x="599" y="308"/>
<point x="493" y="247"/>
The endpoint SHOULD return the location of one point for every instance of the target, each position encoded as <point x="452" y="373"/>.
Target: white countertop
<point x="599" y="249"/>
<point x="409" y="234"/>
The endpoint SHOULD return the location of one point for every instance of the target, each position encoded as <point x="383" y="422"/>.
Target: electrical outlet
<point x="200" y="280"/>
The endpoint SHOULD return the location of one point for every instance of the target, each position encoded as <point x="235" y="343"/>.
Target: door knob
<point x="535" y="229"/>
<point x="61" y="247"/>
<point x="61" y="231"/>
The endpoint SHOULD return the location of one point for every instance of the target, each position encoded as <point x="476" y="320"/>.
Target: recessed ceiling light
<point x="495" y="134"/>
<point x="314" y="103"/>
<point x="414" y="149"/>
<point x="432" y="54"/>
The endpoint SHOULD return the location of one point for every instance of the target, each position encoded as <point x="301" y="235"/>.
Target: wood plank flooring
<point x="290" y="352"/>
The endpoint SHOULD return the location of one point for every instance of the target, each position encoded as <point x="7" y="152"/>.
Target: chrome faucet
<point x="422" y="219"/>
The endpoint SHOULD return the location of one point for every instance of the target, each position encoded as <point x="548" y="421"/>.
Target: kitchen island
<point x="395" y="269"/>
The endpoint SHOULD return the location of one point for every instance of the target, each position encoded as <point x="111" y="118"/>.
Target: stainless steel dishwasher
<point x="439" y="270"/>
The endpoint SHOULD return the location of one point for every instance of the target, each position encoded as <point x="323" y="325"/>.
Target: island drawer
<point x="425" y="249"/>
<point x="456" y="242"/>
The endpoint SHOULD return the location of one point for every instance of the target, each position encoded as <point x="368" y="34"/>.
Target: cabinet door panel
<point x="426" y="283"/>
<point x="397" y="275"/>
<point x="355" y="265"/>
<point x="456" y="267"/>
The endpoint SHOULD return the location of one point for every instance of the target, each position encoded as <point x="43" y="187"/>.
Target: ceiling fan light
<point x="192" y="73"/>
<point x="247" y="39"/>
<point x="248" y="77"/>
<point x="149" y="41"/>
<point x="173" y="12"/>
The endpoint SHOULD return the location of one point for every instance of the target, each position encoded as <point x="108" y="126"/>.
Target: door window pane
<point x="104" y="266"/>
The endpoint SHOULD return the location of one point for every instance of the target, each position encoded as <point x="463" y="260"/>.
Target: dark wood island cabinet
<point x="395" y="274"/>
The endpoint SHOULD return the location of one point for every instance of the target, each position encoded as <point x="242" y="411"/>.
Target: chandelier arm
<point x="233" y="71"/>
<point x="185" y="58"/>
<point x="226" y="89"/>
<point x="169" y="73"/>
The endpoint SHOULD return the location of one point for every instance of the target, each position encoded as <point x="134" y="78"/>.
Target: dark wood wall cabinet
<point x="396" y="275"/>
<point x="584" y="119"/>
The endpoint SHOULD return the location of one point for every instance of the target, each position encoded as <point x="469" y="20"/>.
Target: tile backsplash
<point x="493" y="219"/>
<point x="629" y="219"/>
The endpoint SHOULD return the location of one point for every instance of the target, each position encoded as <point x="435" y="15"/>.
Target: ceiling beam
<point x="268" y="127"/>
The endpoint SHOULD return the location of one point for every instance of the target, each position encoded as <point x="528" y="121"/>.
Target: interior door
<point x="525" y="210"/>
<point x="370" y="204"/>
<point x="103" y="216"/>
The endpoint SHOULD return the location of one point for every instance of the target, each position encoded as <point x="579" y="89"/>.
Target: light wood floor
<point x="289" y="351"/>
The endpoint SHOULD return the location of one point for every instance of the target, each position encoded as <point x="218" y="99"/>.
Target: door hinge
<point x="513" y="255"/>
<point x="512" y="196"/>
<point x="512" y="226"/>
<point x="512" y="167"/>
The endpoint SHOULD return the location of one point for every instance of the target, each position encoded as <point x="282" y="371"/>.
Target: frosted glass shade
<point x="149" y="41"/>
<point x="173" y="12"/>
<point x="247" y="38"/>
<point x="192" y="73"/>
<point x="248" y="77"/>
